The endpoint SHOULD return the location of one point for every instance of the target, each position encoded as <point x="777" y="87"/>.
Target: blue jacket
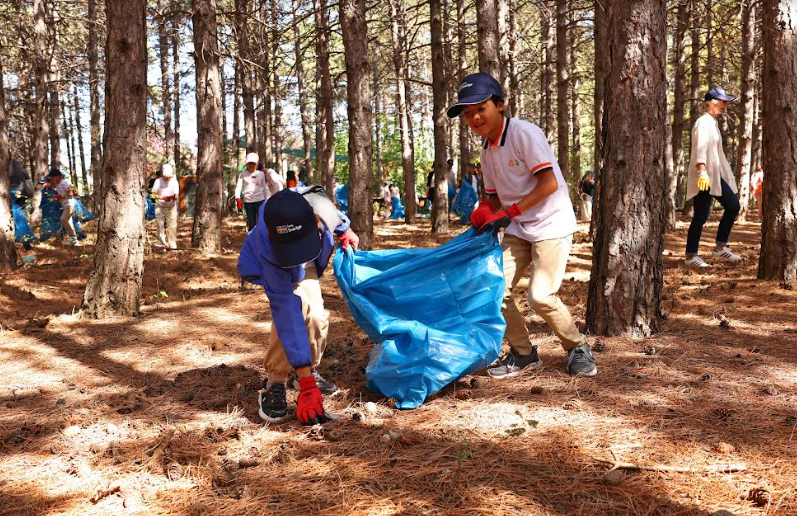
<point x="257" y="265"/>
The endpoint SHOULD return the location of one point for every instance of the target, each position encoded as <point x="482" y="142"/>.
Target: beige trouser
<point x="66" y="220"/>
<point x="316" y="318"/>
<point x="548" y="260"/>
<point x="166" y="216"/>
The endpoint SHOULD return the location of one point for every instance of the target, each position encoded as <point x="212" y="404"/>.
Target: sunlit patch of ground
<point x="157" y="414"/>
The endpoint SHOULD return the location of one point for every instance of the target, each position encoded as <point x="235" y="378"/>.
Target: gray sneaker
<point x="580" y="361"/>
<point x="512" y="364"/>
<point x="325" y="386"/>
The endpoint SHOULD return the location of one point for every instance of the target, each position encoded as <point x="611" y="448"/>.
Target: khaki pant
<point x="548" y="260"/>
<point x="66" y="220"/>
<point x="316" y="319"/>
<point x="166" y="216"/>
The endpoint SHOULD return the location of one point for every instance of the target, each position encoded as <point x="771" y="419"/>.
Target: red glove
<point x="311" y="409"/>
<point x="57" y="197"/>
<point x="239" y="204"/>
<point x="349" y="237"/>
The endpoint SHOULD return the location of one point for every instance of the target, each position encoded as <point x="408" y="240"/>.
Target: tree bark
<point x="748" y="89"/>
<point x="54" y="110"/>
<point x="575" y="112"/>
<point x="548" y="32"/>
<point x="398" y="37"/>
<point x="679" y="101"/>
<point x="601" y="58"/>
<point x="325" y="146"/>
<point x="80" y="151"/>
<point x="276" y="128"/>
<point x="562" y="85"/>
<point x="487" y="34"/>
<point x="206" y="233"/>
<point x="515" y="98"/>
<point x="462" y="63"/>
<point x="504" y="38"/>
<point x="69" y="136"/>
<point x="94" y="105"/>
<point x="8" y="252"/>
<point x="487" y="45"/>
<point x="244" y="60"/>
<point x="178" y="159"/>
<point x="778" y="258"/>
<point x="41" y="122"/>
<point x="166" y="97"/>
<point x="307" y="130"/>
<point x="380" y="166"/>
<point x="114" y="286"/>
<point x="627" y="273"/>
<point x="358" y="76"/>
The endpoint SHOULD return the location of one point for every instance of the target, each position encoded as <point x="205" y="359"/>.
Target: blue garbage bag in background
<point x="22" y="231"/>
<point x="51" y="215"/>
<point x="397" y="210"/>
<point x="465" y="201"/>
<point x="342" y="196"/>
<point x="150" y="208"/>
<point x="435" y="313"/>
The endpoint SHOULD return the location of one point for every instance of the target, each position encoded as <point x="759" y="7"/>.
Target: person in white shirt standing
<point x="252" y="187"/>
<point x="710" y="178"/>
<point x="524" y="190"/>
<point x="66" y="194"/>
<point x="166" y="191"/>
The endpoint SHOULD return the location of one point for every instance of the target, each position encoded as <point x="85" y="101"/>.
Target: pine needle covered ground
<point x="157" y="415"/>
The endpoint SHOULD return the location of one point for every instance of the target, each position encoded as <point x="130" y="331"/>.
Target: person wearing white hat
<point x="252" y="187"/>
<point x="166" y="190"/>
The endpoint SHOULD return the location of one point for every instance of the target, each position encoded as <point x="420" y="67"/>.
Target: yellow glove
<point x="703" y="182"/>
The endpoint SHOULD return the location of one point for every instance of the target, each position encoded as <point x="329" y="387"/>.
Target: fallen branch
<point x="104" y="494"/>
<point x="709" y="468"/>
<point x="157" y="450"/>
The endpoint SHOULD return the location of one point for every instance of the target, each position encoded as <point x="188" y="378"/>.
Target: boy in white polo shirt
<point x="524" y="190"/>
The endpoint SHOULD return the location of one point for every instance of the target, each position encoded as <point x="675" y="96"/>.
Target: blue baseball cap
<point x="292" y="228"/>
<point x="475" y="89"/>
<point x="719" y="94"/>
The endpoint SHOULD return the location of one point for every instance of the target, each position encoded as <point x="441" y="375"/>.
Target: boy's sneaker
<point x="727" y="255"/>
<point x="580" y="361"/>
<point x="696" y="262"/>
<point x="512" y="364"/>
<point x="325" y="386"/>
<point x="273" y="406"/>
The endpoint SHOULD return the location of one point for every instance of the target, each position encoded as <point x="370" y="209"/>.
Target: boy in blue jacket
<point x="286" y="253"/>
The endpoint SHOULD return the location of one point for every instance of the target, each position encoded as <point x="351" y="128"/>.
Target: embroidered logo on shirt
<point x="288" y="228"/>
<point x="514" y="162"/>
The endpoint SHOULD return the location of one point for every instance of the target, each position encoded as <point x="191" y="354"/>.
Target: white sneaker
<point x="727" y="255"/>
<point x="697" y="262"/>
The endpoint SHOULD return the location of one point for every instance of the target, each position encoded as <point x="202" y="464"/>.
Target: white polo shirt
<point x="509" y="167"/>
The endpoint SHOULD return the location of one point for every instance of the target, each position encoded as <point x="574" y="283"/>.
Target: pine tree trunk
<point x="8" y="252"/>
<point x="502" y="24"/>
<point x="69" y="136"/>
<point x="41" y="122"/>
<point x="206" y="233"/>
<point x="462" y="64"/>
<point x="276" y="128"/>
<point x="80" y="151"/>
<point x="244" y="60"/>
<point x="236" y="133"/>
<point x="548" y="33"/>
<point x="601" y="58"/>
<point x="679" y="101"/>
<point x="747" y="88"/>
<point x="778" y="258"/>
<point x="398" y="36"/>
<point x="562" y="85"/>
<point x="627" y="273"/>
<point x="358" y="76"/>
<point x="380" y="166"/>
<point x="94" y="106"/>
<point x="515" y="99"/>
<point x="487" y="34"/>
<point x="54" y="109"/>
<point x="178" y="158"/>
<point x="166" y="104"/>
<point x="114" y="286"/>
<point x="694" y="62"/>
<point x="575" y="112"/>
<point x="325" y="146"/>
<point x="488" y="56"/>
<point x="307" y="136"/>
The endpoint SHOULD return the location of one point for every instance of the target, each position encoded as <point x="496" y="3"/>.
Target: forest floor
<point x="157" y="414"/>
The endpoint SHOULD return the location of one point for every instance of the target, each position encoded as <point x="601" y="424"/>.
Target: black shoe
<point x="272" y="403"/>
<point x="580" y="361"/>
<point x="325" y="386"/>
<point x="512" y="364"/>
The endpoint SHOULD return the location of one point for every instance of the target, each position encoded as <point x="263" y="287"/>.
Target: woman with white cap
<point x="710" y="177"/>
<point x="252" y="186"/>
<point x="166" y="190"/>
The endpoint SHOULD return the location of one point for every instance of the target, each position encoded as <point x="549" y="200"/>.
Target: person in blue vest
<point x="286" y="253"/>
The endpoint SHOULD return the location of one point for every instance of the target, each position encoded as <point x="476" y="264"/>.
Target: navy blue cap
<point x="719" y="94"/>
<point x="474" y="89"/>
<point x="54" y="172"/>
<point x="292" y="228"/>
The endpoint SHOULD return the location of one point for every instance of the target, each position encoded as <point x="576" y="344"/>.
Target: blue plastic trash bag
<point x="82" y="213"/>
<point x="465" y="201"/>
<point x="22" y="231"/>
<point x="435" y="313"/>
<point x="397" y="210"/>
<point x="342" y="196"/>
<point x="51" y="216"/>
<point x="150" y="208"/>
<point x="452" y="192"/>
